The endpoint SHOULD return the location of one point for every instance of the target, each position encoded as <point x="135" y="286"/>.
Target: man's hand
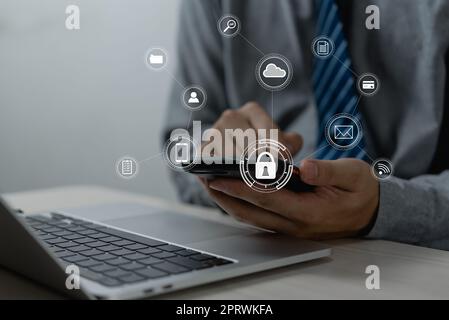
<point x="253" y="116"/>
<point x="343" y="204"/>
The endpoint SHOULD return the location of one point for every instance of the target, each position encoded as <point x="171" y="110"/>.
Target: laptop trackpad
<point x="178" y="228"/>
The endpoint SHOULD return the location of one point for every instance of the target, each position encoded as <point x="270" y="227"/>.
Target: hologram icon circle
<point x="181" y="153"/>
<point x="274" y="72"/>
<point x="343" y="131"/>
<point x="229" y="25"/>
<point x="156" y="58"/>
<point x="194" y="98"/>
<point x="382" y="169"/>
<point x="250" y="158"/>
<point x="127" y="167"/>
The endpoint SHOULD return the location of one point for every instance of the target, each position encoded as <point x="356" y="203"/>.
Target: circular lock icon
<point x="265" y="170"/>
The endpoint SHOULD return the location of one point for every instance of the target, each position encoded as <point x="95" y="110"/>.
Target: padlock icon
<point x="265" y="170"/>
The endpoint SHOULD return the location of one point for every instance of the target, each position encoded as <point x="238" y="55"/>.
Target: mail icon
<point x="343" y="132"/>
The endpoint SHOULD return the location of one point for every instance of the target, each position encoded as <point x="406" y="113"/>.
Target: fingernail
<point x="309" y="170"/>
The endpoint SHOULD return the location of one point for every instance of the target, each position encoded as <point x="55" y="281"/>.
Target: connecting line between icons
<point x="313" y="153"/>
<point x="190" y="120"/>
<point x="174" y="78"/>
<point x="356" y="105"/>
<point x="251" y="44"/>
<point x="367" y="154"/>
<point x="272" y="109"/>
<point x="150" y="158"/>
<point x="349" y="69"/>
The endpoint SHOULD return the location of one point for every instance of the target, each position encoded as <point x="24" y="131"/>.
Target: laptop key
<point x="170" y="248"/>
<point x="171" y="268"/>
<point x="96" y="244"/>
<point x="186" y="253"/>
<point x="151" y="273"/>
<point x="104" y="257"/>
<point x="51" y="229"/>
<point x="132" y="237"/>
<point x="47" y="237"/>
<point x="220" y="262"/>
<point x="149" y="250"/>
<point x="121" y="252"/>
<point x="79" y="248"/>
<point x="132" y="266"/>
<point x="117" y="261"/>
<point x="87" y="232"/>
<point x="163" y="255"/>
<point x="75" y="228"/>
<point x="110" y="239"/>
<point x="88" y="274"/>
<point x="88" y="263"/>
<point x="63" y="254"/>
<point x="56" y="240"/>
<point x="136" y="246"/>
<point x="63" y="233"/>
<point x="135" y="256"/>
<point x="73" y="236"/>
<point x="108" y="248"/>
<point x="91" y="252"/>
<point x="117" y="273"/>
<point x="150" y="260"/>
<point x="84" y="240"/>
<point x="75" y="258"/>
<point x="202" y="257"/>
<point x="102" y="268"/>
<point x="189" y="263"/>
<point x="67" y="244"/>
<point x="132" y="278"/>
<point x="123" y="243"/>
<point x="98" y="235"/>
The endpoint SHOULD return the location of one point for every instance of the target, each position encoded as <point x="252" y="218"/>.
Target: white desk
<point x="407" y="272"/>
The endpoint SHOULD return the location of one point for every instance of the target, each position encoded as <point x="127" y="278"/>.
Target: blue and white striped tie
<point x="333" y="82"/>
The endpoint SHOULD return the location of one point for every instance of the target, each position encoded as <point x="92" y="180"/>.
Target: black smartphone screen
<point x="232" y="171"/>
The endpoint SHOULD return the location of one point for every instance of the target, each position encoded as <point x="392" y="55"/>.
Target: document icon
<point x="343" y="132"/>
<point x="323" y="48"/>
<point x="156" y="59"/>
<point x="127" y="167"/>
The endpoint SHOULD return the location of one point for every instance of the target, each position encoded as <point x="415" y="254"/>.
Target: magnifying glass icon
<point x="231" y="24"/>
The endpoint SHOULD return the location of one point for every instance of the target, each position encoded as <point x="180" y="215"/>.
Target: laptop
<point x="130" y="251"/>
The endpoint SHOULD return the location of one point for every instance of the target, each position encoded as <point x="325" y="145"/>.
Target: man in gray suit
<point x="407" y="121"/>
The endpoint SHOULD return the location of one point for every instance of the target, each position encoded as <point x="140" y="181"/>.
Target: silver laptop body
<point x="250" y="250"/>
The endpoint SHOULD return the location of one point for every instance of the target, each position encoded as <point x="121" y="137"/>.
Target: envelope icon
<point x="343" y="132"/>
<point x="156" y="59"/>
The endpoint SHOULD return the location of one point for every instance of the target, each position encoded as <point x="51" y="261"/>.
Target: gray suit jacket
<point x="404" y="122"/>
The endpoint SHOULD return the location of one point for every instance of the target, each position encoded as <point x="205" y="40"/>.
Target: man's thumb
<point x="292" y="141"/>
<point x="342" y="173"/>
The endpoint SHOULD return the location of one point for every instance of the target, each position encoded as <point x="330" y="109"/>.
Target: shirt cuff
<point x="391" y="194"/>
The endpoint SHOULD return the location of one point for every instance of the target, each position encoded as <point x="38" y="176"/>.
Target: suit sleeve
<point x="199" y="62"/>
<point x="414" y="211"/>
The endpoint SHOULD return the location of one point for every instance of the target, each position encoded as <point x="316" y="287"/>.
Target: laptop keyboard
<point x="113" y="257"/>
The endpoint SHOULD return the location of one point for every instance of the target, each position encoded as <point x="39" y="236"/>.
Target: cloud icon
<point x="273" y="71"/>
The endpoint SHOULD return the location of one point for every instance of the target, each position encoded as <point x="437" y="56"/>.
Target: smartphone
<point x="232" y="171"/>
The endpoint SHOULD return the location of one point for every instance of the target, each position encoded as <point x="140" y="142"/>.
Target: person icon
<point x="194" y="98"/>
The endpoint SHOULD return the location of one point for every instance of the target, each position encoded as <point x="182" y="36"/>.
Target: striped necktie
<point x="334" y="84"/>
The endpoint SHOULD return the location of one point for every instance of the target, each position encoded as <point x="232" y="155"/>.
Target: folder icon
<point x="343" y="132"/>
<point x="156" y="59"/>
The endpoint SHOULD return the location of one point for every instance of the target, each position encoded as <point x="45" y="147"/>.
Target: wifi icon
<point x="382" y="169"/>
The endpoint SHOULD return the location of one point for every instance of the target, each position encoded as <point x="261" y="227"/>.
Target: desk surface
<point x="406" y="272"/>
